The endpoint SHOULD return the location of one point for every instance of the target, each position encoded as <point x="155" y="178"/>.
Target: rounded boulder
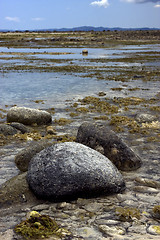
<point x="28" y="116"/>
<point x="71" y="170"/>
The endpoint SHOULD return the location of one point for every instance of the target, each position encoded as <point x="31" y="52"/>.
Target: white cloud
<point x="157" y="6"/>
<point x="37" y="19"/>
<point x="102" y="3"/>
<point x="140" y="1"/>
<point x="13" y="19"/>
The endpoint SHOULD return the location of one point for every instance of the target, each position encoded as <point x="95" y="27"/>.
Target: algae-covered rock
<point x="16" y="190"/>
<point x="99" y="136"/>
<point x="39" y="226"/>
<point x="70" y="170"/>
<point x="23" y="158"/>
<point x="28" y="116"/>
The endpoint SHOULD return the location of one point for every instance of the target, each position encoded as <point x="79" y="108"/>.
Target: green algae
<point x="99" y="105"/>
<point x="62" y="121"/>
<point x="40" y="226"/>
<point x="127" y="214"/>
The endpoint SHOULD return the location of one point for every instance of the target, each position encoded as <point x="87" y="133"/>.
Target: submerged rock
<point x="98" y="136"/>
<point x="23" y="158"/>
<point x="28" y="116"/>
<point x="70" y="170"/>
<point x="16" y="190"/>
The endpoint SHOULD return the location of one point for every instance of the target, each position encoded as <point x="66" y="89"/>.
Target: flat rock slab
<point x="100" y="138"/>
<point x="70" y="170"/>
<point x="28" y="116"/>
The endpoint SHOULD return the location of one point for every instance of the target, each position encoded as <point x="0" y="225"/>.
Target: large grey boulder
<point x="100" y="138"/>
<point x="70" y="170"/>
<point x="28" y="116"/>
<point x="23" y="158"/>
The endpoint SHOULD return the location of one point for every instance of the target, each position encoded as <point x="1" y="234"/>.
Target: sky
<point x="47" y="14"/>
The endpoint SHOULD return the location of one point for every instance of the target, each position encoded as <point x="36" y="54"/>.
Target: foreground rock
<point x="28" y="116"/>
<point x="23" y="158"/>
<point x="100" y="138"/>
<point x="71" y="170"/>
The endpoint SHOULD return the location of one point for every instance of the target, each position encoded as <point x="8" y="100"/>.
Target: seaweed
<point x="40" y="226"/>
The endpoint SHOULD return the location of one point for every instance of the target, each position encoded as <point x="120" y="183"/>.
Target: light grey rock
<point x="112" y="231"/>
<point x="71" y="170"/>
<point x="23" y="158"/>
<point x="154" y="229"/>
<point x="28" y="116"/>
<point x="6" y="130"/>
<point x="94" y="135"/>
<point x="144" y="117"/>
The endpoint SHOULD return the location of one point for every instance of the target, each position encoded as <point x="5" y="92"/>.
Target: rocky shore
<point x="130" y="213"/>
<point x="117" y="188"/>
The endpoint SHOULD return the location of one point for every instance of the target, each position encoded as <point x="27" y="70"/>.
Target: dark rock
<point x="28" y="116"/>
<point x="99" y="136"/>
<point x="23" y="158"/>
<point x="70" y="170"/>
<point x="16" y="190"/>
<point x="20" y="127"/>
<point x="6" y="130"/>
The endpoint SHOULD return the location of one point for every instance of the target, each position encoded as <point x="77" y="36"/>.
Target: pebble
<point x="154" y="229"/>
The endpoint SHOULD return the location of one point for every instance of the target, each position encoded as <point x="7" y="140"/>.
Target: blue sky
<point x="38" y="14"/>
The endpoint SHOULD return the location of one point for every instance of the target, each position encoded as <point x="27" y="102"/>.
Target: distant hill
<point x="84" y="29"/>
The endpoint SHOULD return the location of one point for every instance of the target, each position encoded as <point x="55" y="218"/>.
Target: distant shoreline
<point x="81" y="29"/>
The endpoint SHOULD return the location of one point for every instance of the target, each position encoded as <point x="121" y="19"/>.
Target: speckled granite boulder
<point x="28" y="116"/>
<point x="100" y="138"/>
<point x="71" y="170"/>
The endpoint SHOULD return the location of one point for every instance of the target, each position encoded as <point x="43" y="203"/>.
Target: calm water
<point x="23" y="88"/>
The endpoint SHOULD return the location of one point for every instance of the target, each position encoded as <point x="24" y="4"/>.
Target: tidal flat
<point x="117" y="83"/>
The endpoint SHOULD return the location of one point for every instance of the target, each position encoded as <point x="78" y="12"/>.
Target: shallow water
<point x="55" y="88"/>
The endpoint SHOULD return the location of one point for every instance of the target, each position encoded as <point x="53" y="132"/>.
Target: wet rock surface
<point x="6" y="130"/>
<point x="23" y="158"/>
<point x="28" y="116"/>
<point x="71" y="170"/>
<point x="98" y="136"/>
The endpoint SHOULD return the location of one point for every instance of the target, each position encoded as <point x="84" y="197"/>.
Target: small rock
<point x="20" y="127"/>
<point x="40" y="207"/>
<point x="144" y="117"/>
<point x="51" y="130"/>
<point x="154" y="229"/>
<point x="23" y="158"/>
<point x="85" y="52"/>
<point x="112" y="231"/>
<point x="6" y="130"/>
